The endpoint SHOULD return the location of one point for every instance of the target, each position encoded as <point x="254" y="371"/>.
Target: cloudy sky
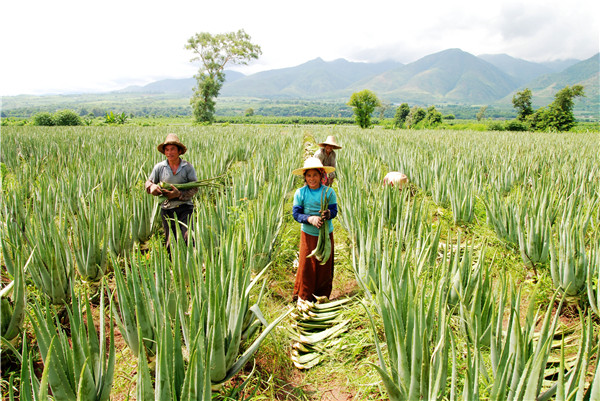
<point x="78" y="45"/>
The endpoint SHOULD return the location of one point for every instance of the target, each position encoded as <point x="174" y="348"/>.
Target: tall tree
<point x="415" y="116"/>
<point x="364" y="103"/>
<point x="522" y="102"/>
<point x="433" y="117"/>
<point x="401" y="114"/>
<point x="214" y="52"/>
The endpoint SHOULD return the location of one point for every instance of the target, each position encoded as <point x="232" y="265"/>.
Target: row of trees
<point x="557" y="116"/>
<point x="365" y="102"/>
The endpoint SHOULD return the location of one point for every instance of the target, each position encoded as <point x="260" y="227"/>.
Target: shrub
<point x="515" y="125"/>
<point x="67" y="117"/>
<point x="44" y="119"/>
<point x="496" y="126"/>
<point x="415" y="116"/>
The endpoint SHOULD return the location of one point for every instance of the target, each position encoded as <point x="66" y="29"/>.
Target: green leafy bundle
<point x="322" y="252"/>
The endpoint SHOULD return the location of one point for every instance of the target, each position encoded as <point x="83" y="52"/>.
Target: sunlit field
<point x="480" y="278"/>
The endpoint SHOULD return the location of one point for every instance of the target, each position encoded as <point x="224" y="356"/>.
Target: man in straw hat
<point x="327" y="156"/>
<point x="178" y="207"/>
<point x="314" y="277"/>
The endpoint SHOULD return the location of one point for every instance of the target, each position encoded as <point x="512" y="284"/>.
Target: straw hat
<point x="172" y="139"/>
<point x="312" y="163"/>
<point x="330" y="141"/>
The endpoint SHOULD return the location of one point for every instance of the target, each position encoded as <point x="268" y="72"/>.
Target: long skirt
<point x="312" y="278"/>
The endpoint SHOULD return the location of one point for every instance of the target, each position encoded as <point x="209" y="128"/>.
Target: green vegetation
<point x="475" y="255"/>
<point x="522" y="103"/>
<point x="60" y="118"/>
<point x="112" y="118"/>
<point x="558" y="116"/>
<point x="401" y="113"/>
<point x="364" y="104"/>
<point x="214" y="52"/>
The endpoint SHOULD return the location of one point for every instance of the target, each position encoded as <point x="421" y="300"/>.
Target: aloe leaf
<point x="144" y="388"/>
<point x="19" y="297"/>
<point x="245" y="357"/>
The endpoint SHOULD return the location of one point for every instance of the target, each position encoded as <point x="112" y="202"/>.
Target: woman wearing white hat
<point x="314" y="278"/>
<point x="327" y="156"/>
<point x="178" y="207"/>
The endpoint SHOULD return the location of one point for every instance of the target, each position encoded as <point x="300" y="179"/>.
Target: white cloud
<point x="70" y="45"/>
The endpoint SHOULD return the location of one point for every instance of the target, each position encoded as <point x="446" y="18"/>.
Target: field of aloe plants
<point x="478" y="280"/>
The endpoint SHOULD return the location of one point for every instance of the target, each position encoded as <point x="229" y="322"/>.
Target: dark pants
<point x="170" y="217"/>
<point x="313" y="278"/>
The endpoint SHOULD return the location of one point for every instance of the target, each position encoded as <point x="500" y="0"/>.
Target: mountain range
<point x="449" y="77"/>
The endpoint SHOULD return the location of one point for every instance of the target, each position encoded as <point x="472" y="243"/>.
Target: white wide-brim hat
<point x="331" y="142"/>
<point x="313" y="163"/>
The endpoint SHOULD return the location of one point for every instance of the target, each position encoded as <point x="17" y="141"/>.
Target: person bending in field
<point x="178" y="207"/>
<point x="327" y="156"/>
<point x="313" y="278"/>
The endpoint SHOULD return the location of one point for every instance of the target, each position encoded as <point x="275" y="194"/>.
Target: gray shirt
<point x="327" y="160"/>
<point x="185" y="173"/>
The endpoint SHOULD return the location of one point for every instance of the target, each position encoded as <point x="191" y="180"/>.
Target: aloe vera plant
<point x="425" y="248"/>
<point x="78" y="365"/>
<point x="30" y="388"/>
<point x="478" y="306"/>
<point x="519" y="350"/>
<point x="462" y="277"/>
<point x="222" y="317"/>
<point x="52" y="267"/>
<point x="90" y="242"/>
<point x="416" y="327"/>
<point x="144" y="210"/>
<point x="262" y="226"/>
<point x="569" y="266"/>
<point x="462" y="200"/>
<point x="440" y="189"/>
<point x="137" y="309"/>
<point x="534" y="232"/>
<point x="502" y="217"/>
<point x="120" y="229"/>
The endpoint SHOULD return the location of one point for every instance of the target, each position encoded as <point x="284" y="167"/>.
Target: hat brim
<point x="300" y="171"/>
<point x="161" y="147"/>
<point x="330" y="144"/>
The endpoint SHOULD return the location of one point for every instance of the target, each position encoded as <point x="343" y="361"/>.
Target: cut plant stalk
<point x="322" y="251"/>
<point x="207" y="182"/>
